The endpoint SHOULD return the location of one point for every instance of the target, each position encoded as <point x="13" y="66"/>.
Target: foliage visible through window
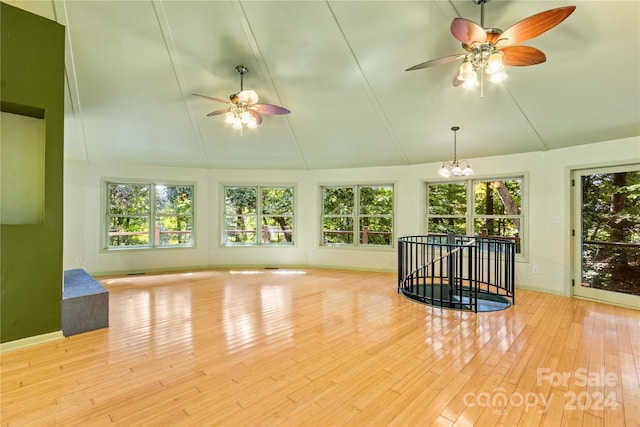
<point x="258" y="215"/>
<point x="447" y="208"/>
<point x="357" y="215"/>
<point x="493" y="209"/>
<point x="149" y="215"/>
<point x="611" y="231"/>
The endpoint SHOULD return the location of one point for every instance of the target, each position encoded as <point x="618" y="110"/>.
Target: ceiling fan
<point x="491" y="48"/>
<point x="243" y="108"/>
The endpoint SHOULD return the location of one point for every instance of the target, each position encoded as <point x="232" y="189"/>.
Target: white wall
<point x="548" y="211"/>
<point x="84" y="212"/>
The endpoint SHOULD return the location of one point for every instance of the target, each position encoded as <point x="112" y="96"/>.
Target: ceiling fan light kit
<point x="243" y="109"/>
<point x="491" y="49"/>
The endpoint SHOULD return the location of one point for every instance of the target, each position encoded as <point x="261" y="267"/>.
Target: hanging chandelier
<point x="455" y="167"/>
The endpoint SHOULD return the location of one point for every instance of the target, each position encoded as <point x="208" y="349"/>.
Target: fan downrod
<point x="242" y="70"/>
<point x="481" y="3"/>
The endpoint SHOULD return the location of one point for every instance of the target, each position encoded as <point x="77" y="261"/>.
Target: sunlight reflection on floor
<point x="273" y="271"/>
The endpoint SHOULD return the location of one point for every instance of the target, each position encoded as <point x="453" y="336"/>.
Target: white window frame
<point x="471" y="215"/>
<point x="151" y="216"/>
<point x="356" y="216"/>
<point x="260" y="232"/>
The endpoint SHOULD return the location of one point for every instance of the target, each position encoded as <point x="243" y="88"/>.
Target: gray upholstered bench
<point x="85" y="303"/>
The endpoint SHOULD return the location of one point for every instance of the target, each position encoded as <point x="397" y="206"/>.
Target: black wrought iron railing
<point x="455" y="271"/>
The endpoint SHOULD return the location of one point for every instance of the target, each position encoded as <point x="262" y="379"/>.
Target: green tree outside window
<point x="132" y="208"/>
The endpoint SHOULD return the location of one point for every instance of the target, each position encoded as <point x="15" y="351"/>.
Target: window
<point x="145" y="215"/>
<point x="490" y="207"/>
<point x="447" y="208"/>
<point x="255" y="215"/>
<point x="357" y="215"/>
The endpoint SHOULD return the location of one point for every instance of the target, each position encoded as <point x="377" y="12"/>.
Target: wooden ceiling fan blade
<point x="536" y="24"/>
<point x="435" y="62"/>
<point x="522" y="55"/>
<point x="270" y="109"/>
<point x="256" y="116"/>
<point x="217" y="112"/>
<point x="467" y="31"/>
<point x="212" y="98"/>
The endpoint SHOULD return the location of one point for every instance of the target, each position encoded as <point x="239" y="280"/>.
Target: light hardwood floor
<point x="326" y="348"/>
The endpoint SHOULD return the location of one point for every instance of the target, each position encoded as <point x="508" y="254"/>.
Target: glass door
<point x="607" y="234"/>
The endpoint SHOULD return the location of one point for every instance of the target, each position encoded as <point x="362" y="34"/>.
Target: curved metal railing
<point x="455" y="271"/>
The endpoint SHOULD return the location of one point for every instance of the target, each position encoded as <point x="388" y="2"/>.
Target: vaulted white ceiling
<point x="132" y="67"/>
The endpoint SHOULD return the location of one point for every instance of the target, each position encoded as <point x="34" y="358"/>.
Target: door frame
<point x="611" y="297"/>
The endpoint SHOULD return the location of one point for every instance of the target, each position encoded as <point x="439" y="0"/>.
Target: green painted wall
<point x="32" y="84"/>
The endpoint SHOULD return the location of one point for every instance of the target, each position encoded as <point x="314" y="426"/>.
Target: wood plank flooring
<point x="326" y="348"/>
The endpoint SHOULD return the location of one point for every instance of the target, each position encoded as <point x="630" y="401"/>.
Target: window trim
<point x="104" y="184"/>
<point x="356" y="216"/>
<point x="471" y="215"/>
<point x="259" y="215"/>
